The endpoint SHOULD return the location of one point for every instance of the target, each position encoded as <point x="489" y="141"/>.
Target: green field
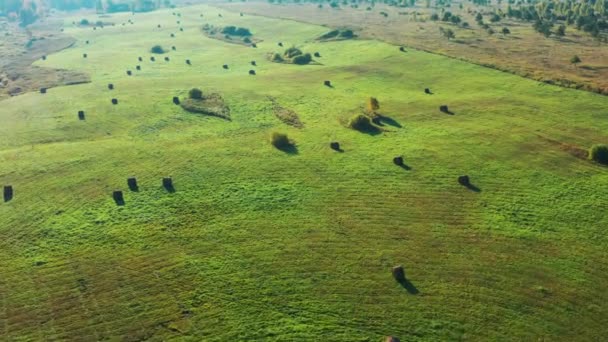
<point x="259" y="244"/>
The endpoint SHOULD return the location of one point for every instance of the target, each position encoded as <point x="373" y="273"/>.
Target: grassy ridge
<point x="259" y="244"/>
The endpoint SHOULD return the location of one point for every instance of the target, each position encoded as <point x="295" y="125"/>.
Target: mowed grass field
<point x="258" y="244"/>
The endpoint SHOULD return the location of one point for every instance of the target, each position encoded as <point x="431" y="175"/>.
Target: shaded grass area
<point x="256" y="244"/>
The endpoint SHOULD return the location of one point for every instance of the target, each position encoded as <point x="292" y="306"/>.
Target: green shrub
<point x="599" y="153"/>
<point x="330" y="34"/>
<point x="236" y="31"/>
<point x="84" y="22"/>
<point x="246" y="40"/>
<point x="195" y="93"/>
<point x="157" y="49"/>
<point x="292" y="52"/>
<point x="360" y="122"/>
<point x="280" y="140"/>
<point x="302" y="59"/>
<point x="277" y="58"/>
<point x="347" y="34"/>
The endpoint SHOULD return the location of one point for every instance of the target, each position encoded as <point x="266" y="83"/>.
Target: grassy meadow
<point x="259" y="244"/>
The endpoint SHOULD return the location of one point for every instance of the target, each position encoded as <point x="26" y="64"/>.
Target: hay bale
<point x="334" y="145"/>
<point x="444" y="109"/>
<point x="254" y="45"/>
<point x="251" y="72"/>
<point x="402" y="49"/>
<point x="327" y="83"/>
<point x="114" y="101"/>
<point x="110" y="86"/>
<point x="118" y="197"/>
<point x="172" y="35"/>
<point x="166" y="59"/>
<point x="464" y="180"/>
<point x="140" y="59"/>
<point x="158" y="25"/>
<point x="241" y="14"/>
<point x="8" y="193"/>
<point x="173" y="48"/>
<point x="253" y="63"/>
<point x="280" y="44"/>
<point x="81" y="114"/>
<point x="176" y="100"/>
<point x="398" y="160"/>
<point x="392" y="339"/>
<point x="427" y="90"/>
<point x="87" y="42"/>
<point x="42" y="90"/>
<point x="138" y="67"/>
<point x="399" y="273"/>
<point x="316" y="54"/>
<point x="188" y="62"/>
<point x="225" y="66"/>
<point x="152" y="59"/>
<point x="129" y="72"/>
<point x="84" y="55"/>
<point x="132" y="183"/>
<point x="181" y="29"/>
<point x="44" y="58"/>
<point x="168" y="183"/>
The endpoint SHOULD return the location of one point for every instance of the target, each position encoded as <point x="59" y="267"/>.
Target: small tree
<point x="575" y="60"/>
<point x="505" y="31"/>
<point x="157" y="49"/>
<point x="195" y="94"/>
<point x="561" y="31"/>
<point x="280" y="140"/>
<point x="373" y="104"/>
<point x="599" y="154"/>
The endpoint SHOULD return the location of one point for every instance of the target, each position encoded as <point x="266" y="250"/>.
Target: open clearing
<point x="258" y="244"/>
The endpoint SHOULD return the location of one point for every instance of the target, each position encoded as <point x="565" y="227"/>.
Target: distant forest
<point x="28" y="11"/>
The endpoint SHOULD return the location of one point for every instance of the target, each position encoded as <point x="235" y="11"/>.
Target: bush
<point x="302" y="59"/>
<point x="157" y="49"/>
<point x="347" y="34"/>
<point x="599" y="154"/>
<point x="246" y="40"/>
<point x="280" y="140"/>
<point x="292" y="52"/>
<point x="360" y="122"/>
<point x="84" y="22"/>
<point x="277" y="58"/>
<point x="195" y="93"/>
<point x="330" y="34"/>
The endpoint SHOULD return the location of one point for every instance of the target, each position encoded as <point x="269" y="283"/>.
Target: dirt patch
<point x="21" y="47"/>
<point x="576" y="151"/>
<point x="286" y="115"/>
<point x="212" y="104"/>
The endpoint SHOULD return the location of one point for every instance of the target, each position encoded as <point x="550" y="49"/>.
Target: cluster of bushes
<point x="599" y="154"/>
<point x="293" y="55"/>
<point x="236" y="31"/>
<point x="338" y="34"/>
<point x="157" y="49"/>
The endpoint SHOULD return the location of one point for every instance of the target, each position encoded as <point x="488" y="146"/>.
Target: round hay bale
<point x="87" y="42"/>
<point x="327" y="83"/>
<point x="398" y="160"/>
<point x="138" y="67"/>
<point x="132" y="183"/>
<point x="168" y="183"/>
<point x="251" y="72"/>
<point x="84" y="55"/>
<point x="225" y="66"/>
<point x="399" y="273"/>
<point x="129" y="72"/>
<point x="464" y="180"/>
<point x="173" y="48"/>
<point x="444" y="109"/>
<point x="166" y="59"/>
<point x="152" y="59"/>
<point x="402" y="49"/>
<point x="172" y="35"/>
<point x="81" y="115"/>
<point x="158" y="25"/>
<point x="316" y="54"/>
<point x="42" y="90"/>
<point x="181" y="29"/>
<point x="188" y="62"/>
<point x="114" y="101"/>
<point x="140" y="59"/>
<point x="110" y="86"/>
<point x="176" y="100"/>
<point x="335" y="146"/>
<point x="44" y="58"/>
<point x="253" y="63"/>
<point x="254" y="45"/>
<point x="427" y="90"/>
<point x="280" y="44"/>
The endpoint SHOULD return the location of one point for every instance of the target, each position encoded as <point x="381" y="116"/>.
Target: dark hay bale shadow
<point x="8" y="193"/>
<point x="382" y="120"/>
<point x="428" y="91"/>
<point x="334" y="145"/>
<point x="399" y="275"/>
<point x="132" y="183"/>
<point x="466" y="182"/>
<point x="444" y="109"/>
<point x="168" y="184"/>
<point x="118" y="198"/>
<point x="328" y="84"/>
